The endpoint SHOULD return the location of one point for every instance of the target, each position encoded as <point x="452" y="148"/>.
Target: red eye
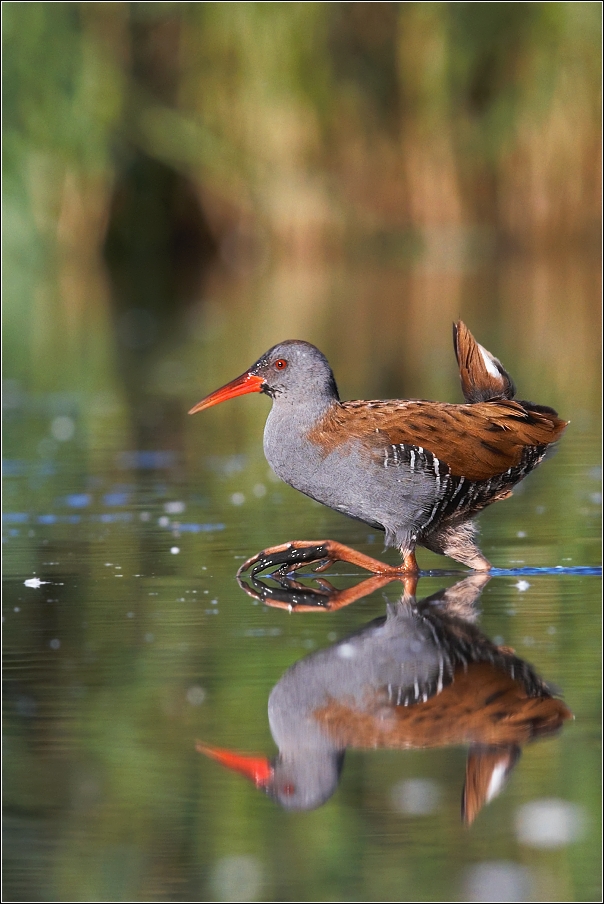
<point x="280" y="363"/>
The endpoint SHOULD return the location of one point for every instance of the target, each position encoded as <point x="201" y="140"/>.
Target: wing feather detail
<point x="476" y="441"/>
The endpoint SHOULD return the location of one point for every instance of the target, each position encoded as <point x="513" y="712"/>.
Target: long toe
<point x="286" y="558"/>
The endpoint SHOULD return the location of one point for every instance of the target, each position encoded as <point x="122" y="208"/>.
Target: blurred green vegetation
<point x="426" y="138"/>
<point x="494" y="107"/>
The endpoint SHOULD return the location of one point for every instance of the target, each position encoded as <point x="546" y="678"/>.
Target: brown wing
<point x="483" y="377"/>
<point x="483" y="705"/>
<point x="476" y="441"/>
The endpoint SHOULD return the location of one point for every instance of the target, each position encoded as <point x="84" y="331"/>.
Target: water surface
<point x="127" y="638"/>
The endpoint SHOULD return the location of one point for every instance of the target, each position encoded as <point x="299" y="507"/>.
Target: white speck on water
<point x="206" y="592"/>
<point x="596" y="498"/>
<point x="163" y="521"/>
<point x="346" y="651"/>
<point x="62" y="428"/>
<point x="108" y="564"/>
<point x="549" y="823"/>
<point x="540" y="509"/>
<point x="130" y="615"/>
<point x="119" y="567"/>
<point x="149" y="637"/>
<point x="214" y="602"/>
<point x="174" y="508"/>
<point x="415" y="797"/>
<point x="195" y="695"/>
<point x="521" y="534"/>
<point x="145" y="516"/>
<point x="522" y="586"/>
<point x="498" y="880"/>
<point x="237" y="878"/>
<point x="204" y="567"/>
<point x="528" y="641"/>
<point x="551" y="629"/>
<point x="17" y="609"/>
<point x="175" y="550"/>
<point x="35" y="583"/>
<point x="55" y="643"/>
<point x="259" y="490"/>
<point x="237" y="498"/>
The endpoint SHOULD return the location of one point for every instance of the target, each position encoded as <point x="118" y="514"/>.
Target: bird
<point x="418" y="470"/>
<point x="422" y="676"/>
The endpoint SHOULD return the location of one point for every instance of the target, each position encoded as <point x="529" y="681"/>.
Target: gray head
<point x="298" y="781"/>
<point x="305" y="780"/>
<point x="291" y="373"/>
<point x="295" y="370"/>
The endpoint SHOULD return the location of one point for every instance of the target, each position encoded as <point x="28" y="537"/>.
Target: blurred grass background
<point x="237" y="133"/>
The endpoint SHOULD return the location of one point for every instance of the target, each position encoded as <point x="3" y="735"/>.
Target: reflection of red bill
<point x="256" y="768"/>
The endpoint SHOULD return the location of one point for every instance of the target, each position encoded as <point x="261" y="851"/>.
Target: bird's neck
<point x="302" y="412"/>
<point x="286" y="438"/>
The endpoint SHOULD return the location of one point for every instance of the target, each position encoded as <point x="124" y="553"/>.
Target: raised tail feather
<point x="487" y="770"/>
<point x="483" y="377"/>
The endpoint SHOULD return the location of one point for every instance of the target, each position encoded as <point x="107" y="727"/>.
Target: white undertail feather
<point x="490" y="365"/>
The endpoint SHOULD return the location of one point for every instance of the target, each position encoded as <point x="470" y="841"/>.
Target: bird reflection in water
<point x="423" y="675"/>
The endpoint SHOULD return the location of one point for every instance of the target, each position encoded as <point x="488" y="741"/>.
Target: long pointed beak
<point x="247" y="382"/>
<point x="256" y="768"/>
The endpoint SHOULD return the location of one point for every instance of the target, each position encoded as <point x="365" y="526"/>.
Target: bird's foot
<point x="294" y="596"/>
<point x="322" y="553"/>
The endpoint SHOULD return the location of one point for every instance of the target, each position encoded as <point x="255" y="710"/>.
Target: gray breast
<point x="350" y="480"/>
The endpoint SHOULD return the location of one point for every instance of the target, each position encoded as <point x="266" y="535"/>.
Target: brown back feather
<point x="476" y="441"/>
